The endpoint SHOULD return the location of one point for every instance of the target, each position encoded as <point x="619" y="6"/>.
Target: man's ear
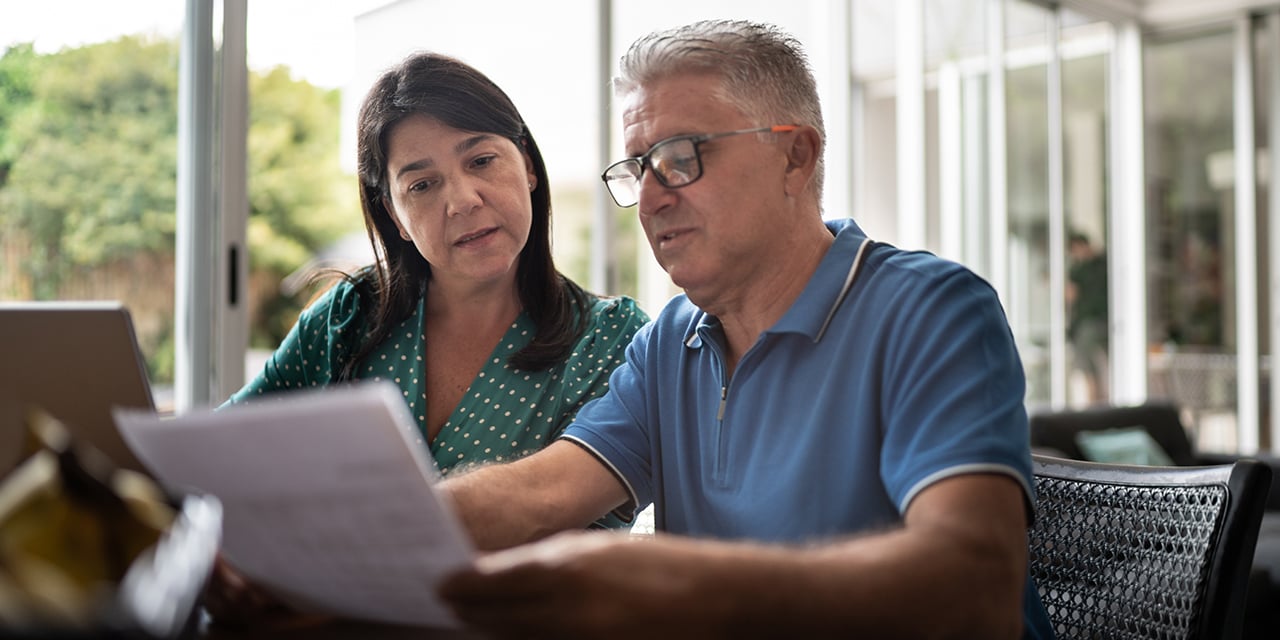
<point x="803" y="152"/>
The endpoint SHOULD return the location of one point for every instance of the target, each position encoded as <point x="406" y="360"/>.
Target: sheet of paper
<point x="327" y="498"/>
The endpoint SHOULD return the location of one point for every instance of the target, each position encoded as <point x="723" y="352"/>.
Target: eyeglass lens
<point x="675" y="163"/>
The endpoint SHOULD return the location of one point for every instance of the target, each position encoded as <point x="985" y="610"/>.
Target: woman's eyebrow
<point x="461" y="147"/>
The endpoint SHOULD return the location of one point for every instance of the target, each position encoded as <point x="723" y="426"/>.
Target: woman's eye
<point x="420" y="186"/>
<point x="482" y="161"/>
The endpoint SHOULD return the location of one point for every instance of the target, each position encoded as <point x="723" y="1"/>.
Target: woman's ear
<point x="386" y="204"/>
<point x="802" y="159"/>
<point x="528" y="169"/>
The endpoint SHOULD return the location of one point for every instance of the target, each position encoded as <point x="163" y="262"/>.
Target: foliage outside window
<point x="88" y="153"/>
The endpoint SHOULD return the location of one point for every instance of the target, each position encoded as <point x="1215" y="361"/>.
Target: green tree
<point x="88" y="176"/>
<point x="93" y="157"/>
<point x="17" y="80"/>
<point x="300" y="200"/>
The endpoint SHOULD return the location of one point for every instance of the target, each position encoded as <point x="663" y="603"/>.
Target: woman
<point x="494" y="350"/>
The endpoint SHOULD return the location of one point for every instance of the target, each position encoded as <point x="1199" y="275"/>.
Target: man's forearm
<point x="561" y="487"/>
<point x="494" y="508"/>
<point x="956" y="569"/>
<point x="893" y="584"/>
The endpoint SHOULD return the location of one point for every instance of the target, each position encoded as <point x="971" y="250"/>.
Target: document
<point x="327" y="498"/>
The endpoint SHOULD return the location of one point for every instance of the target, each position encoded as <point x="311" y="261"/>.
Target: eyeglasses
<point x="676" y="162"/>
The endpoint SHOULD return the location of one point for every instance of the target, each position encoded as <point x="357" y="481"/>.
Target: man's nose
<point x="652" y="197"/>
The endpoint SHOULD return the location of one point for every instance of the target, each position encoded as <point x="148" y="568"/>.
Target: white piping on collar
<point x="844" y="291"/>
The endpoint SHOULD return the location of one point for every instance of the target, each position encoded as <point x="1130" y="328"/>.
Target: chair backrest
<point x="1120" y="551"/>
<point x="1058" y="429"/>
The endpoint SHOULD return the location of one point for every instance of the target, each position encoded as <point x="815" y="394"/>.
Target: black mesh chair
<point x="1123" y="551"/>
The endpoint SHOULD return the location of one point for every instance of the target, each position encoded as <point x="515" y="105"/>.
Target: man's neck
<point x="764" y="303"/>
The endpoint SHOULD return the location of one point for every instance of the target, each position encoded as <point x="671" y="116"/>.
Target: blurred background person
<point x="1087" y="314"/>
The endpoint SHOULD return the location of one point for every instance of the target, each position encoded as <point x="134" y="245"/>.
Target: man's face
<point x="1078" y="250"/>
<point x="713" y="235"/>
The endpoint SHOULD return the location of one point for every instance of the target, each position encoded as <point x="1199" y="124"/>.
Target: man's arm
<point x="561" y="487"/>
<point x="955" y="569"/>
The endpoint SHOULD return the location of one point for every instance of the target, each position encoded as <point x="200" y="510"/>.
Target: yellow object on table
<point x="71" y="525"/>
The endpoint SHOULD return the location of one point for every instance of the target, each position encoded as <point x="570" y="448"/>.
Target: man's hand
<point x="585" y="585"/>
<point x="233" y="600"/>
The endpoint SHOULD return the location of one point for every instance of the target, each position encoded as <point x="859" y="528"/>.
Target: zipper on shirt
<point x="718" y="462"/>
<point x="720" y="468"/>
<point x="724" y="396"/>
<point x="720" y="459"/>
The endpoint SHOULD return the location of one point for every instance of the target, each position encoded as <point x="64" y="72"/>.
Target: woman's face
<point x="461" y="197"/>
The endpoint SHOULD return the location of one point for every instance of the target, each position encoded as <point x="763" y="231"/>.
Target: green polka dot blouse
<point x="505" y="414"/>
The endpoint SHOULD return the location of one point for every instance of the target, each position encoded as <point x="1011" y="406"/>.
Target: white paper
<point x="327" y="498"/>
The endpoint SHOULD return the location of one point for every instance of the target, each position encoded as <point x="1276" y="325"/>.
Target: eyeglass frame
<point x="696" y="139"/>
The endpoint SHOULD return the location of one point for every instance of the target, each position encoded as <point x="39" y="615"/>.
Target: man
<point x="1087" y="314"/>
<point x="834" y="427"/>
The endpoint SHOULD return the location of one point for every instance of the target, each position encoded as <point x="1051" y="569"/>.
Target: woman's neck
<point x="477" y="307"/>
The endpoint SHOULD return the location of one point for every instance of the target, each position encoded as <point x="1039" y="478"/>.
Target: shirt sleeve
<point x="602" y="350"/>
<point x="954" y="388"/>
<point x="612" y="428"/>
<point x="313" y="352"/>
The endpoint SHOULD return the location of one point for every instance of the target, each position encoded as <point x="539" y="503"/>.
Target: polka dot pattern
<point x="506" y="413"/>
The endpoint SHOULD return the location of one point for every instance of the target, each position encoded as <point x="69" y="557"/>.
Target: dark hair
<point x="462" y="98"/>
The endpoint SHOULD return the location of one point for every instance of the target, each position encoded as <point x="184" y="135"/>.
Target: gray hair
<point x="763" y="70"/>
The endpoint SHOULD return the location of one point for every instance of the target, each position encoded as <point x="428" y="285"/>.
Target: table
<point x="330" y="629"/>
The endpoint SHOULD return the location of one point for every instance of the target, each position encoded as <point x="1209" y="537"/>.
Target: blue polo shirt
<point x="892" y="370"/>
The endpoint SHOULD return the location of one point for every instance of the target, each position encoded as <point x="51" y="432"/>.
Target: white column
<point x="951" y="162"/>
<point x="1126" y="258"/>
<point x="604" y="278"/>
<point x="911" y="124"/>
<point x="837" y="107"/>
<point x="231" y="335"/>
<point x="857" y="147"/>
<point x="1057" y="221"/>
<point x="1246" y="228"/>
<point x="1273" y="215"/>
<point x="194" y="308"/>
<point x="976" y="225"/>
<point x="997" y="169"/>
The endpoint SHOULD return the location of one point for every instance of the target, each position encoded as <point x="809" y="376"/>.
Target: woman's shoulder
<point x="341" y="306"/>
<point x="612" y="323"/>
<point x="621" y="310"/>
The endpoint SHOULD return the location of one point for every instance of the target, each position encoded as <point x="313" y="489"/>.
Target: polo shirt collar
<point x="808" y="314"/>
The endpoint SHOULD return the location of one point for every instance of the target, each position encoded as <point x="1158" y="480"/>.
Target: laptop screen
<point x="75" y="360"/>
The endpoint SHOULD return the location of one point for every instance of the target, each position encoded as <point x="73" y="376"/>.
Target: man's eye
<point x="666" y="163"/>
<point x="676" y="165"/>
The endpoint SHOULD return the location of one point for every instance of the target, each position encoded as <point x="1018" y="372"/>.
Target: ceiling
<point x="1170" y="14"/>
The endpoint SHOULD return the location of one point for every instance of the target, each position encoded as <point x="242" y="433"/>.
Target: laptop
<point x="76" y="360"/>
